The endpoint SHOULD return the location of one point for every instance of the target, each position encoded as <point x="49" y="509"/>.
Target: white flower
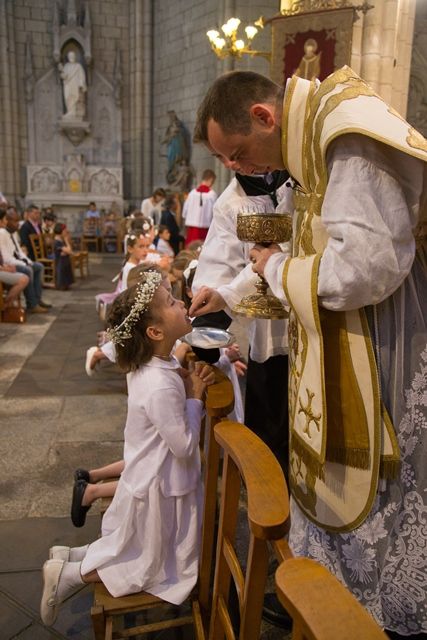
<point x="373" y="529"/>
<point x="359" y="560"/>
<point x="145" y="292"/>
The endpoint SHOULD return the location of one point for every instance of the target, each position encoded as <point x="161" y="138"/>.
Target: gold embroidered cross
<point x="309" y="415"/>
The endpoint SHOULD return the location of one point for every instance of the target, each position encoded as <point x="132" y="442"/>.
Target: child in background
<point x="159" y="493"/>
<point x="163" y="244"/>
<point x="137" y="251"/>
<point x="62" y="250"/>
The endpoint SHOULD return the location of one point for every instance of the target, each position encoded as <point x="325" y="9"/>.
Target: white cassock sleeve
<point x="369" y="211"/>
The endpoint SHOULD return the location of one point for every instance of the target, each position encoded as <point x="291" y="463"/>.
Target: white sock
<point x="77" y="553"/>
<point x="70" y="578"/>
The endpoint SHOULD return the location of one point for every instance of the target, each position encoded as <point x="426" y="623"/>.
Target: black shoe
<point x="274" y="613"/>
<point x="81" y="474"/>
<point x="78" y="511"/>
<point x="45" y="305"/>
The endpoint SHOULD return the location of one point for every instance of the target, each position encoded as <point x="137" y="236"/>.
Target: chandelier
<point x="230" y="44"/>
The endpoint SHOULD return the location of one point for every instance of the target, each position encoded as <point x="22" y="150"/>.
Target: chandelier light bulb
<point x="219" y="43"/>
<point x="234" y="24"/>
<point x="251" y="31"/>
<point x="212" y="35"/>
<point x="239" y="45"/>
<point x="227" y="30"/>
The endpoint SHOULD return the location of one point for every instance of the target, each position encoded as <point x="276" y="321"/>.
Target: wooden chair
<point x="80" y="257"/>
<point x="91" y="234"/>
<point x="39" y="249"/>
<point x="110" y="234"/>
<point x="247" y="459"/>
<point x="15" y="314"/>
<point x="320" y="606"/>
<point x="108" y="612"/>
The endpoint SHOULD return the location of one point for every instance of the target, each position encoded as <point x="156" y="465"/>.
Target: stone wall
<point x="185" y="66"/>
<point x="167" y="64"/>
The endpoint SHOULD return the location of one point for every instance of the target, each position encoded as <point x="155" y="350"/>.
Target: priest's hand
<point x="205" y="301"/>
<point x="259" y="256"/>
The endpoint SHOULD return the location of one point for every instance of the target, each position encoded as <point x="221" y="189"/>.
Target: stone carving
<point x="74" y="87"/>
<point x="46" y="181"/>
<point x="104" y="182"/>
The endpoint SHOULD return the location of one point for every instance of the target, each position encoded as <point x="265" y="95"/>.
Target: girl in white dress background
<point x="151" y="531"/>
<point x="136" y="252"/>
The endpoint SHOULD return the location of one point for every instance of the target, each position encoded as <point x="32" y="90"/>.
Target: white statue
<point x="74" y="79"/>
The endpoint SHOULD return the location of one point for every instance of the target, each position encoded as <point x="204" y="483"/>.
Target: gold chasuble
<point x="342" y="440"/>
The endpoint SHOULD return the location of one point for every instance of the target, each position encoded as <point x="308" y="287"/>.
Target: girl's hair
<point x="139" y="349"/>
<point x="141" y="224"/>
<point x="135" y="274"/>
<point x="196" y="245"/>
<point x="58" y="228"/>
<point x="183" y="259"/>
<point x="131" y="242"/>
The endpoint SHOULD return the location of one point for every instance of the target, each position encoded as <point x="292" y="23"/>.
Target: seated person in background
<point x="168" y="218"/>
<point x="152" y="207"/>
<point x="13" y="254"/>
<point x="92" y="211"/>
<point x="48" y="224"/>
<point x="163" y="245"/>
<point x="9" y="276"/>
<point x="62" y="251"/>
<point x="30" y="226"/>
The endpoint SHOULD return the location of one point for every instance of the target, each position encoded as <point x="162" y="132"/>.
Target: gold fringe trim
<point x="316" y="467"/>
<point x="389" y="468"/>
<point x="357" y="458"/>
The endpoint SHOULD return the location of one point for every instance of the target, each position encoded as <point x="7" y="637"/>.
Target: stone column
<point x="147" y="114"/>
<point x="372" y="46"/>
<point x="386" y="44"/>
<point x="9" y="160"/>
<point x="404" y="38"/>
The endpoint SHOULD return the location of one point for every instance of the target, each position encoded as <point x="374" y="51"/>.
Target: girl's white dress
<point x="151" y="531"/>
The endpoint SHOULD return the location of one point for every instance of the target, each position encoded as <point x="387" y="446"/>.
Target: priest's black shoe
<point x="274" y="613"/>
<point x="79" y="511"/>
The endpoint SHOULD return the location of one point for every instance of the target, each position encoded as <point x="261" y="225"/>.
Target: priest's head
<point x="239" y="122"/>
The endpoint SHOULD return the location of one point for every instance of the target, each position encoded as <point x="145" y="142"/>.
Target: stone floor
<point x="53" y="418"/>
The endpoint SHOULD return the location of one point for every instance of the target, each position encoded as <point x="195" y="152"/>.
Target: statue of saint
<point x="74" y="81"/>
<point x="178" y="151"/>
<point x="309" y="67"/>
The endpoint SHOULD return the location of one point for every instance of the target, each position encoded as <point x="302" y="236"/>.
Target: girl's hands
<point x="196" y="382"/>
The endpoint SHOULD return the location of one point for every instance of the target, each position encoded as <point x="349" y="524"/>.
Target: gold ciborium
<point x="262" y="228"/>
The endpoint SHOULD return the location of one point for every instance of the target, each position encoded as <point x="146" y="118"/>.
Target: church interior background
<point x="147" y="65"/>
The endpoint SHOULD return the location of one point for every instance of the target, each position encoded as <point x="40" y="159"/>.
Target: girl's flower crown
<point x="144" y="295"/>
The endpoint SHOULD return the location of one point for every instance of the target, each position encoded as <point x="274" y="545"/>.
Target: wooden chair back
<point x="247" y="459"/>
<point x="107" y="612"/>
<point x="91" y="234"/>
<point x="320" y="606"/>
<point x="111" y="234"/>
<point x="49" y="276"/>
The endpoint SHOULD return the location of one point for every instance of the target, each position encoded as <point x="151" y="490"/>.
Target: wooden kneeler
<point x="107" y="611"/>
<point x="247" y="459"/>
<point x="320" y="606"/>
